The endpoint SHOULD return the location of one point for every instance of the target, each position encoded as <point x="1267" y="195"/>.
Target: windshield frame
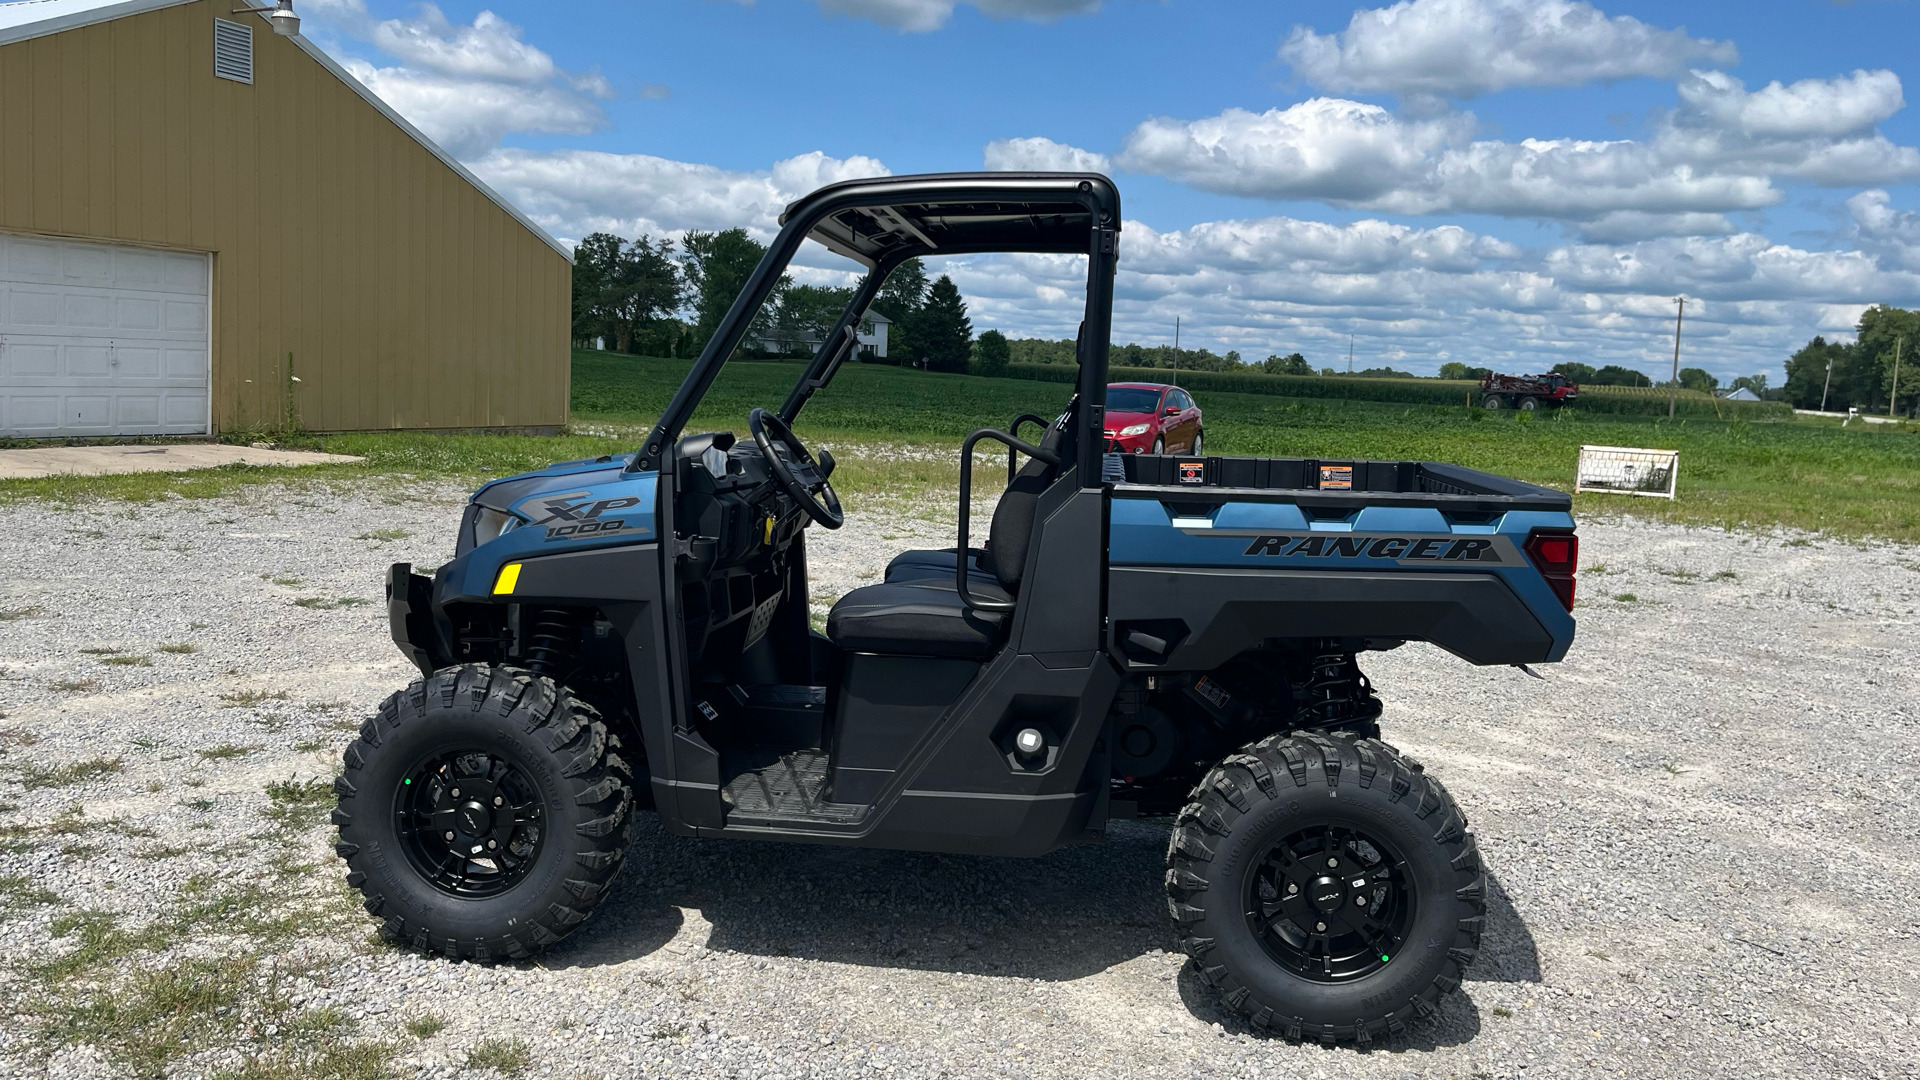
<point x="1094" y="192"/>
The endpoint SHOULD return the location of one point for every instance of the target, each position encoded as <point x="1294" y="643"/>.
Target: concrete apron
<point x="173" y="457"/>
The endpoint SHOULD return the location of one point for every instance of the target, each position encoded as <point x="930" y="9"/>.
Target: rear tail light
<point x="1557" y="556"/>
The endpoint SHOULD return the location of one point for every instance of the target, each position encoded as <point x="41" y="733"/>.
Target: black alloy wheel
<point x="483" y="813"/>
<point x="470" y="822"/>
<point x="1330" y="903"/>
<point x="1326" y="887"/>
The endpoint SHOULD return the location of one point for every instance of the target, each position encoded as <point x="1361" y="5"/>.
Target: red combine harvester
<point x="1526" y="392"/>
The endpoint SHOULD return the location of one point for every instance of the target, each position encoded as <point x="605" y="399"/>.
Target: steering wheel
<point x="801" y="476"/>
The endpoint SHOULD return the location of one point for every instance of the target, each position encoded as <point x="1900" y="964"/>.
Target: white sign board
<point x="1625" y="470"/>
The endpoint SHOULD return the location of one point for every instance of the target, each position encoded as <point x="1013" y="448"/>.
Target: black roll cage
<point x="881" y="223"/>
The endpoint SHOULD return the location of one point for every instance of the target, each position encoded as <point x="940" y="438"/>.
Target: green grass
<point x="1862" y="480"/>
<point x="426" y="1025"/>
<point x="504" y="1055"/>
<point x="72" y="772"/>
<point x="242" y="699"/>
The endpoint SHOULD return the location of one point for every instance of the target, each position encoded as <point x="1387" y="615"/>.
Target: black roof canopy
<point x="893" y="218"/>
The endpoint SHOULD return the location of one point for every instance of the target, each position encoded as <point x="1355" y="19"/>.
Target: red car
<point x="1152" y="418"/>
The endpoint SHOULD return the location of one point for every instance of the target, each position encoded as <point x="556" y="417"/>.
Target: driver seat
<point x="916" y="610"/>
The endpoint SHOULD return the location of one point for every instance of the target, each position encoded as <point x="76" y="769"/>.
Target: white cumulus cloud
<point x="1345" y="152"/>
<point x="1042" y="155"/>
<point x="1465" y="48"/>
<point x="922" y="16"/>
<point x="466" y="86"/>
<point x="575" y="192"/>
<point x="1357" y="155"/>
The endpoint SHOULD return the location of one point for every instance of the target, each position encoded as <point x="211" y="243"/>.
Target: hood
<point x="501" y="494"/>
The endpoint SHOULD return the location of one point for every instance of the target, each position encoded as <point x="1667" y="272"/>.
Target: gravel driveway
<point x="1702" y="829"/>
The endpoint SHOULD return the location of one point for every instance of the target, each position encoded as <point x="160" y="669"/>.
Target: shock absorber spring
<point x="1336" y="691"/>
<point x="551" y="637"/>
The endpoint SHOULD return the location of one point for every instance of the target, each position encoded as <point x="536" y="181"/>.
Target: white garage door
<point x="98" y="339"/>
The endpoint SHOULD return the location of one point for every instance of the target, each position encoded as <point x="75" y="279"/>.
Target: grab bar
<point x="966" y="503"/>
<point x="1014" y="430"/>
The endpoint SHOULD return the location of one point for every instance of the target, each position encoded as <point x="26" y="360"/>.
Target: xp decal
<point x="581" y="516"/>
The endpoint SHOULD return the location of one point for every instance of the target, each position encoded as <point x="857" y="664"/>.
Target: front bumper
<point x="1130" y="444"/>
<point x="410" y="617"/>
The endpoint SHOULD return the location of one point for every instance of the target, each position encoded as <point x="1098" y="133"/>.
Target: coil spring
<point x="551" y="635"/>
<point x="1337" y="692"/>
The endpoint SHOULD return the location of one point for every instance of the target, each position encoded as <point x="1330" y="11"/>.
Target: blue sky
<point x="1496" y="181"/>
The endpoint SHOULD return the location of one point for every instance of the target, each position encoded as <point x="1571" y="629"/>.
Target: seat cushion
<point x="917" y="618"/>
<point x="934" y="565"/>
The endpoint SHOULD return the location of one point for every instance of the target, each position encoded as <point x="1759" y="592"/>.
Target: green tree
<point x="717" y="266"/>
<point x="1290" y="364"/>
<point x="807" y="313"/>
<point x="620" y="288"/>
<point x="1575" y="371"/>
<point x="941" y="334"/>
<point x="1233" y="357"/>
<point x="1820" y="375"/>
<point x="590" y="259"/>
<point x="1615" y="375"/>
<point x="1755" y="383"/>
<point x="991" y="353"/>
<point x="1454" y="369"/>
<point x="1693" y="378"/>
<point x="1046" y="351"/>
<point x="900" y="299"/>
<point x="1882" y="329"/>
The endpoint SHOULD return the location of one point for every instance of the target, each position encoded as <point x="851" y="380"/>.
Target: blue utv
<point x="1141" y="635"/>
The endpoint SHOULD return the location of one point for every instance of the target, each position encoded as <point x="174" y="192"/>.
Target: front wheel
<point x="1326" y="886"/>
<point x="1159" y="445"/>
<point x="1196" y="450"/>
<point x="1529" y="404"/>
<point x="483" y="813"/>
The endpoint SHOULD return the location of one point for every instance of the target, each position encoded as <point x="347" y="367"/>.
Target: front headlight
<point x="489" y="523"/>
<point x="1134" y="429"/>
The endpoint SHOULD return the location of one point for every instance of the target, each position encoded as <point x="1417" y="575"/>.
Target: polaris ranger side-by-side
<point x="1141" y="635"/>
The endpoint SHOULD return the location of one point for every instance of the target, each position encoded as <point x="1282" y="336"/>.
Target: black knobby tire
<point x="1495" y="402"/>
<point x="549" y="751"/>
<point x="1529" y="404"/>
<point x="1288" y="786"/>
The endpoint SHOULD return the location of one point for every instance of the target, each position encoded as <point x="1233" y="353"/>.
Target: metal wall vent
<point x="232" y="51"/>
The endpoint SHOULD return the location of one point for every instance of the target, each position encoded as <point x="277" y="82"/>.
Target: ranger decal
<point x="1403" y="548"/>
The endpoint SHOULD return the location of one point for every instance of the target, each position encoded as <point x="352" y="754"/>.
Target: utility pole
<point x="1673" y="389"/>
<point x="1176" y="350"/>
<point x="1828" y="385"/>
<point x="1349" y="354"/>
<point x="1894" y="393"/>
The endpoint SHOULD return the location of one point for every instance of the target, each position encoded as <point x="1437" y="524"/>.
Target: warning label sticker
<point x="1339" y="477"/>
<point x="1191" y="472"/>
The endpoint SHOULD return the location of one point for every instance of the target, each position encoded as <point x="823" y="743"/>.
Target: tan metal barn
<point x="207" y="227"/>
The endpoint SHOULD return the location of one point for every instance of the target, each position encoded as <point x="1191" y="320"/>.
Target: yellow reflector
<point x="768" y="537"/>
<point x="509" y="576"/>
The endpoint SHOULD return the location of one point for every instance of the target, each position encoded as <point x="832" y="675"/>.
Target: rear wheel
<point x="483" y="813"/>
<point x="1326" y="886"/>
<point x="1528" y="404"/>
<point x="1494" y="401"/>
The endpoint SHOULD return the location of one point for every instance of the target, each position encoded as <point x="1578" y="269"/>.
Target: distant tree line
<point x="1862" y="371"/>
<point x="646" y="298"/>
<point x="653" y="297"/>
